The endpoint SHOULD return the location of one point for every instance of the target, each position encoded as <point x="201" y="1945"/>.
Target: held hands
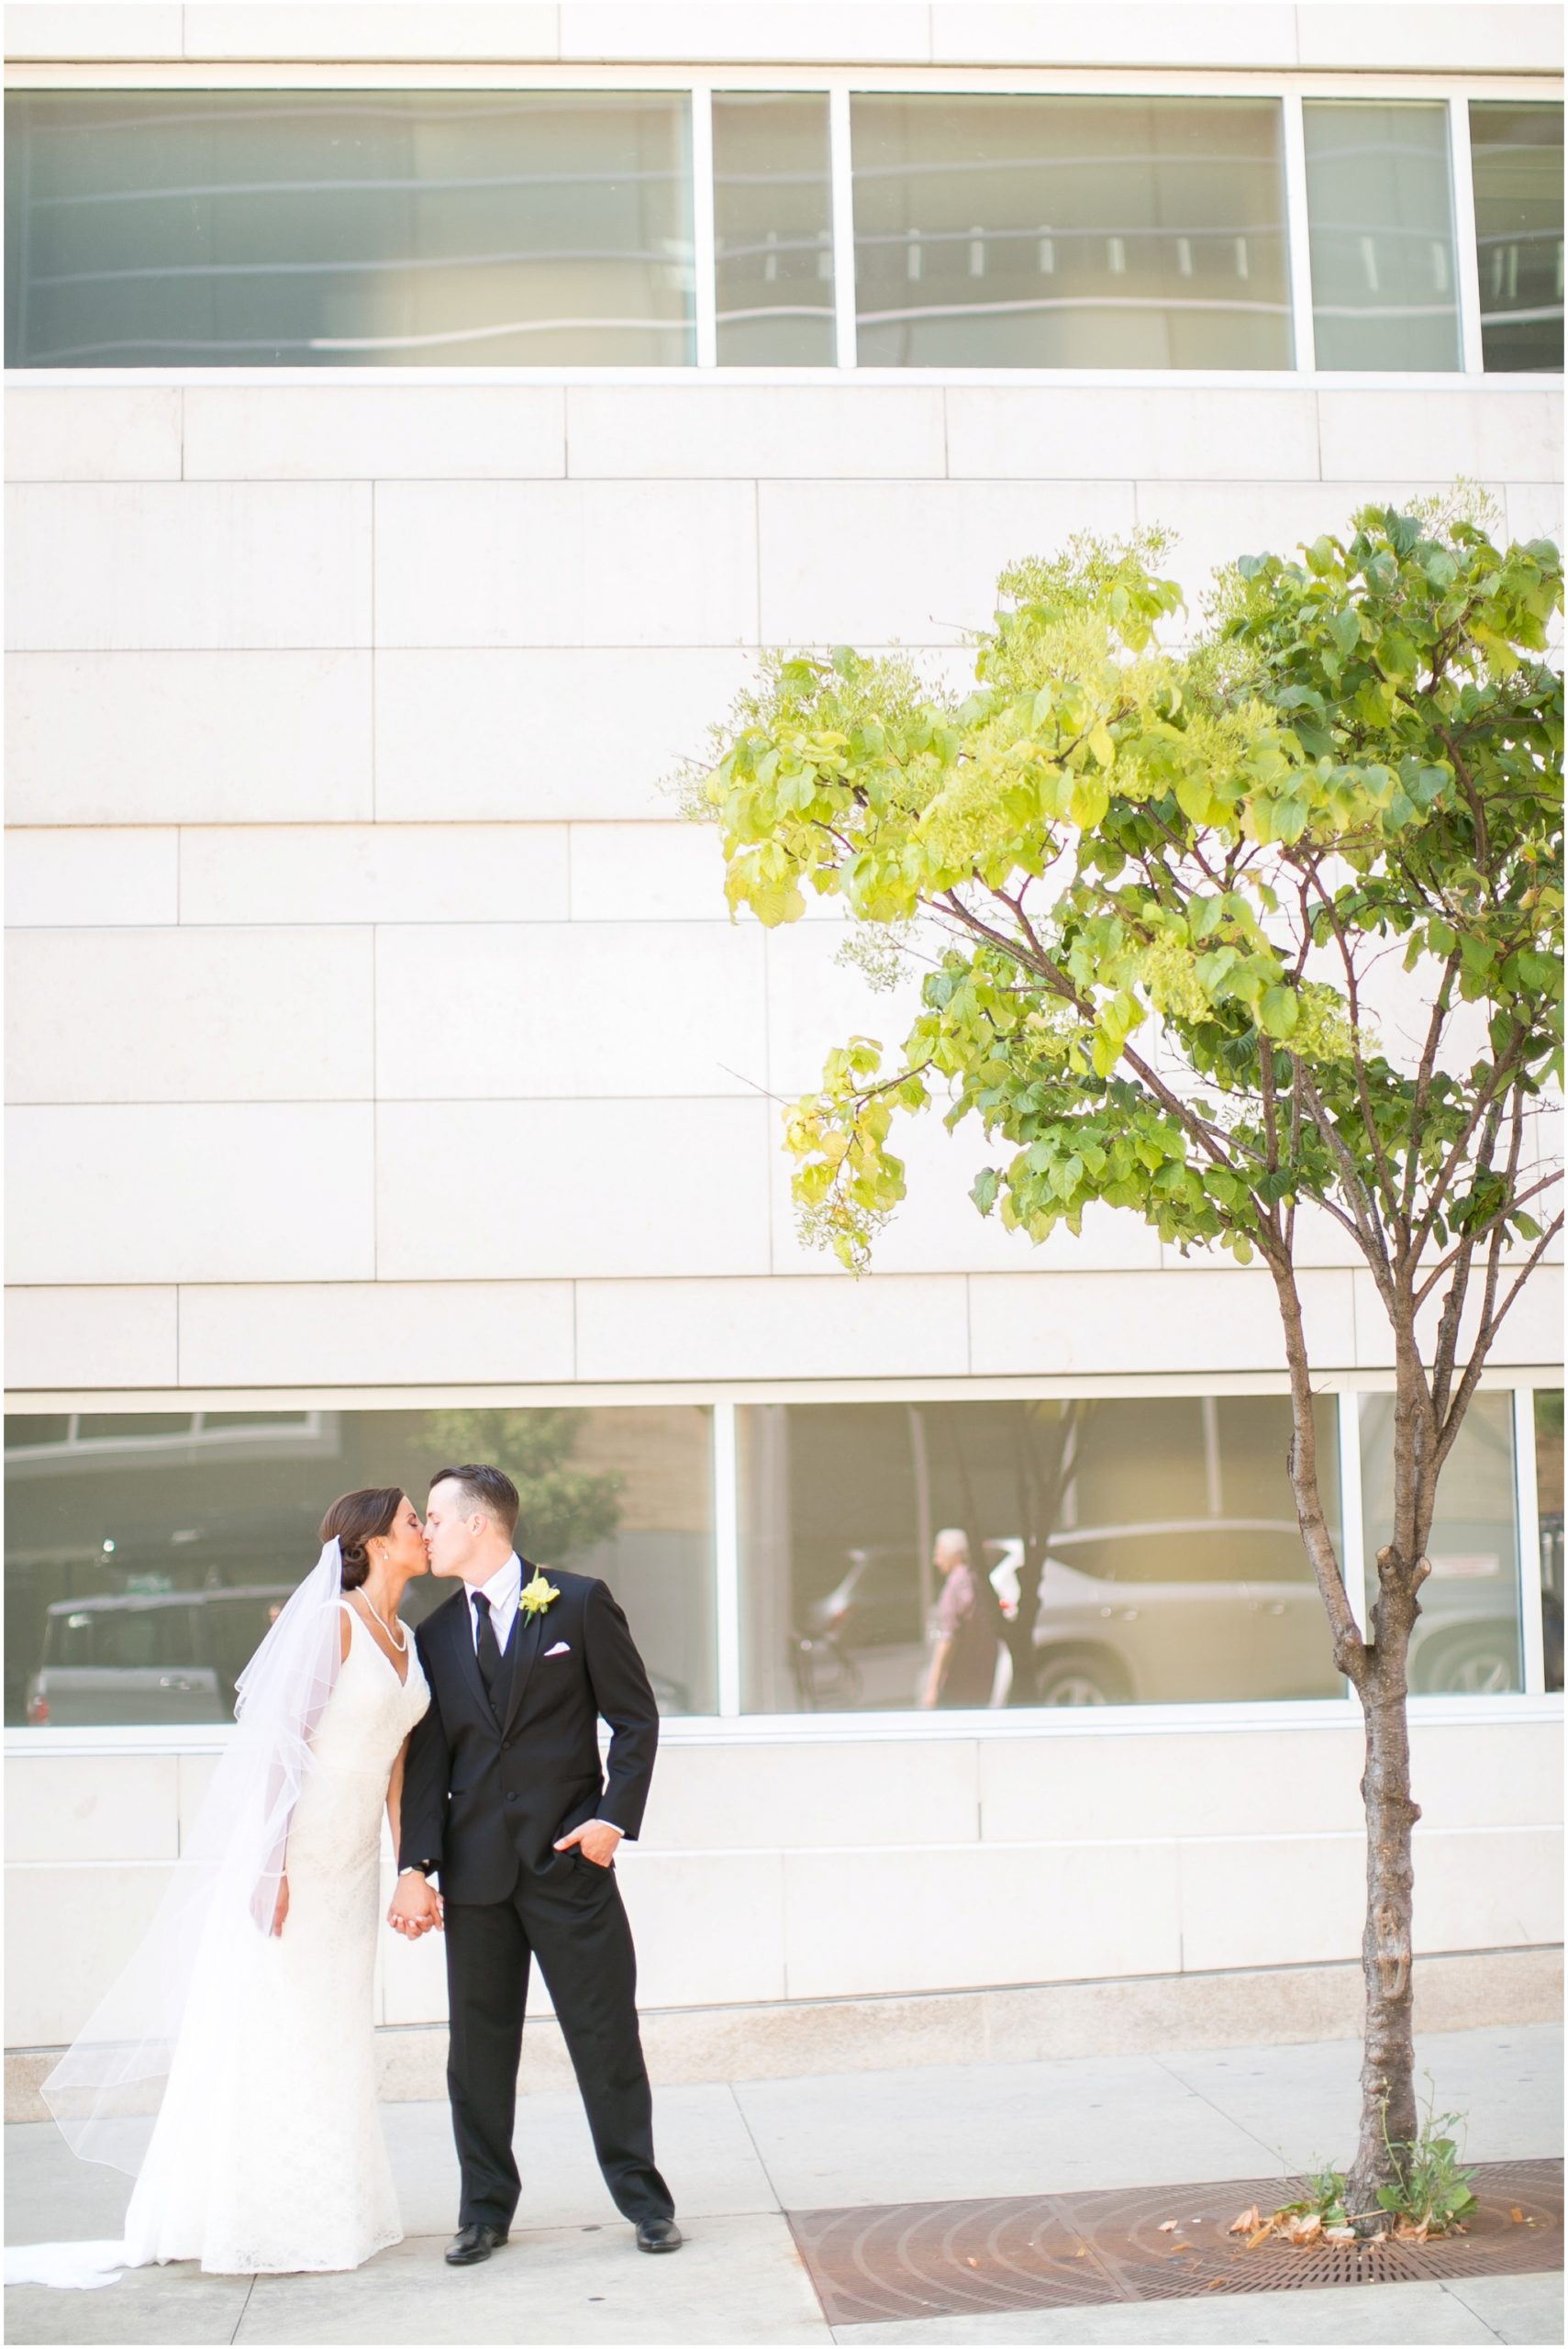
<point x="416" y="1907"/>
<point x="597" y="1839"/>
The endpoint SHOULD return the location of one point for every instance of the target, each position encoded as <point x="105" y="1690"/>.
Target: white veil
<point x="187" y="1980"/>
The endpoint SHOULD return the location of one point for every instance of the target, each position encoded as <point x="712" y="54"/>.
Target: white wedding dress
<point x="267" y="2155"/>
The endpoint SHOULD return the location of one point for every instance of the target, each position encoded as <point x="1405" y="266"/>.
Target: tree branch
<point x="1465" y="1390"/>
<point x="1423" y="1076"/>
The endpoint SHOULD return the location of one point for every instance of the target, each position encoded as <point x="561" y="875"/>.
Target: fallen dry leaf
<point x="1517" y="2216"/>
<point x="1246" y="2222"/>
<point x="1261" y="2234"/>
<point x="1169" y="2226"/>
<point x="1406" y="2233"/>
<point x="1082" y="2251"/>
<point x="971" y="2263"/>
<point x="1215" y="2285"/>
<point x="1338" y="2234"/>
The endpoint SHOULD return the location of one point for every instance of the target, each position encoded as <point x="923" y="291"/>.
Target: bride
<point x="231" y="2067"/>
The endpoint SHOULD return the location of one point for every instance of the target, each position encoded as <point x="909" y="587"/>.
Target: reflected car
<point x="160" y="1656"/>
<point x="1177" y="1611"/>
<point x="1193" y="1610"/>
<point x="1466" y="1638"/>
<point x="170" y="1657"/>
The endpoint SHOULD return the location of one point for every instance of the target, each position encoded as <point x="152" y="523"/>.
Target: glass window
<point x="772" y="215"/>
<point x="1380" y="211"/>
<point x="1467" y="1635"/>
<point x="1549" y="1505"/>
<point x="144" y="1556"/>
<point x="316" y="227"/>
<point x="1516" y="160"/>
<point x="1118" y="1552"/>
<point x="1070" y="232"/>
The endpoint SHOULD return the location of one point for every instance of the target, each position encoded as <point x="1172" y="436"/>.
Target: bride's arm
<point x="281" y="1905"/>
<point x="395" y="1799"/>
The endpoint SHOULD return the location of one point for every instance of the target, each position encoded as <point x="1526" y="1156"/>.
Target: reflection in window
<point x="1549" y="1507"/>
<point x="773" y="210"/>
<point x="143" y="1563"/>
<point x="1070" y="232"/>
<point x="1467" y="1635"/>
<point x="1515" y="157"/>
<point x="315" y="228"/>
<point x="1138" y="1551"/>
<point x="1381" y="215"/>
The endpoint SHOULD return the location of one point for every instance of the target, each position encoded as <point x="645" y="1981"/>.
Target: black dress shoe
<point x="471" y="2245"/>
<point x="658" y="2234"/>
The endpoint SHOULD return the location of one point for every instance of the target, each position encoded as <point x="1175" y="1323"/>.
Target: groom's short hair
<point x="490" y="1489"/>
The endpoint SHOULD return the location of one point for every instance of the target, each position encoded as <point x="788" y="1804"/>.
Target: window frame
<point x="729" y="1725"/>
<point x="699" y="84"/>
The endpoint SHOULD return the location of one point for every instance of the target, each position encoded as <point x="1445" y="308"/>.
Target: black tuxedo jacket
<point x="485" y="1797"/>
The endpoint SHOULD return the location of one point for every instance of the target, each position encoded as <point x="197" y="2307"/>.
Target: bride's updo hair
<point x="356" y="1520"/>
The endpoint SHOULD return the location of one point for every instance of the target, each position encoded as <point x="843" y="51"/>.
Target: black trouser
<point x="578" y="1930"/>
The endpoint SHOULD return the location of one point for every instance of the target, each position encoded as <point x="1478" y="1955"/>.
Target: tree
<point x="564" y="1510"/>
<point x="1158" y="893"/>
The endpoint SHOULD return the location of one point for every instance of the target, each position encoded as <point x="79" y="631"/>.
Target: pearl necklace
<point x="400" y="1644"/>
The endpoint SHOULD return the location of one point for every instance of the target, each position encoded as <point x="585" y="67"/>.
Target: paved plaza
<point x="742" y="2156"/>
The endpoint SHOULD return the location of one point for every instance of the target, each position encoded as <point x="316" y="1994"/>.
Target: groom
<point x="504" y="1801"/>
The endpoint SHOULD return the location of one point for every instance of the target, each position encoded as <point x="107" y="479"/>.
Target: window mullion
<point x="726" y="1557"/>
<point x="1527" y="1517"/>
<point x="843" y="228"/>
<point x="1298" y="233"/>
<point x="1466" y="264"/>
<point x="703" y="252"/>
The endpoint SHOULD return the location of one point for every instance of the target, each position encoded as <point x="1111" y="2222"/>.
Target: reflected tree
<point x="565" y="1509"/>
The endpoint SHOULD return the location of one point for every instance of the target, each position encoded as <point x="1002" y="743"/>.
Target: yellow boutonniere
<point x="537" y="1594"/>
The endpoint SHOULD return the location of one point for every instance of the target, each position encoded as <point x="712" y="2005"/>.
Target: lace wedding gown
<point x="268" y="2157"/>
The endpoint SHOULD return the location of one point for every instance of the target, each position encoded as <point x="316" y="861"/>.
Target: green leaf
<point x="1278" y="1012"/>
<point x="1091" y="799"/>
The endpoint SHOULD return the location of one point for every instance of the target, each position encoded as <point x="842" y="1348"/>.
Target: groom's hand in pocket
<point x="597" y="1839"/>
<point x="416" y="1907"/>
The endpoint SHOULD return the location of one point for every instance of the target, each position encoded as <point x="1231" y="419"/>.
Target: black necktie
<point x="490" y="1663"/>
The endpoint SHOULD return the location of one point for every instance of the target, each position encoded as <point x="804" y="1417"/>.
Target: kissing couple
<point x="231" y="2067"/>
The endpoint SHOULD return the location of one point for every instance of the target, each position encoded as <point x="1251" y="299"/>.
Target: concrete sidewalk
<point x="739" y="2155"/>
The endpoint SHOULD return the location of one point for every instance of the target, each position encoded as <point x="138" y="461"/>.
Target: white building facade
<point x="419" y="419"/>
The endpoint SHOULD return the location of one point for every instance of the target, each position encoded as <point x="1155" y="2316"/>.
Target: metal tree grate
<point x="919" y="2259"/>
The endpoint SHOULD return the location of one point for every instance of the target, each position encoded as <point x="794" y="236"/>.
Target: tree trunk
<point x="1376" y="1664"/>
<point x="1388" y="2058"/>
<point x="1388" y="2118"/>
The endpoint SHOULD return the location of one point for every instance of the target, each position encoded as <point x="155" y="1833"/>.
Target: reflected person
<point x="969" y="1629"/>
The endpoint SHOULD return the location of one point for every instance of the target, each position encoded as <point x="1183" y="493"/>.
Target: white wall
<point x="860" y="1866"/>
<point x="1494" y="37"/>
<point x="358" y="949"/>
